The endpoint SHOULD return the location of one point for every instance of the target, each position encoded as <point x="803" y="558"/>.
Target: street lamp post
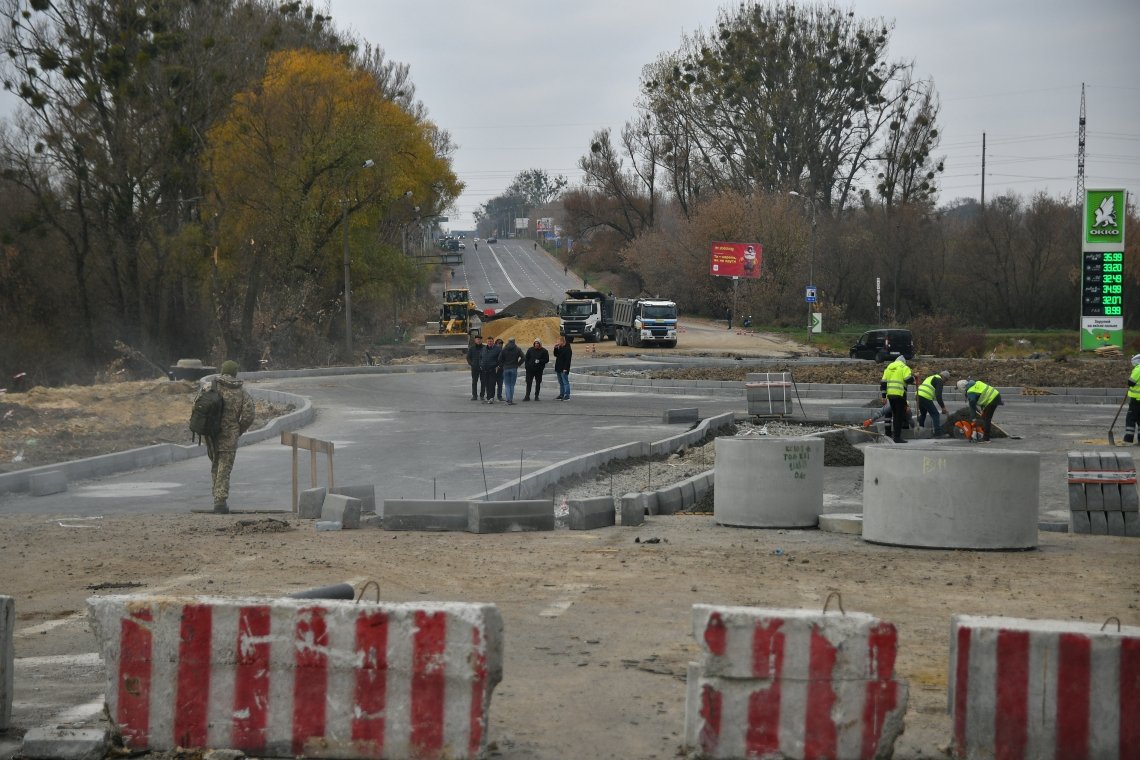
<point x="811" y="258"/>
<point x="347" y="270"/>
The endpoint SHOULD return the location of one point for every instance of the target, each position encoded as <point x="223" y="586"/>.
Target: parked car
<point x="492" y="240"/>
<point x="490" y="297"/>
<point x="884" y="345"/>
<point x="462" y="246"/>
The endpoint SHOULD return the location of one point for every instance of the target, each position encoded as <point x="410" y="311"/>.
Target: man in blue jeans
<point x="511" y="359"/>
<point x="562" y="355"/>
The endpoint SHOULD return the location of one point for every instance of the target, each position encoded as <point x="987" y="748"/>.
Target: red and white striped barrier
<point x="1044" y="689"/>
<point x="794" y="684"/>
<point x="290" y="677"/>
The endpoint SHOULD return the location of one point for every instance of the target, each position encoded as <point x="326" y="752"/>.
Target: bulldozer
<point x="456" y="323"/>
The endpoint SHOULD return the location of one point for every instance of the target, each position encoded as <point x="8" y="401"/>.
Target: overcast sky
<point x="524" y="84"/>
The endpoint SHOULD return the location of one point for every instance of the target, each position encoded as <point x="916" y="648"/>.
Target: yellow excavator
<point x="458" y="320"/>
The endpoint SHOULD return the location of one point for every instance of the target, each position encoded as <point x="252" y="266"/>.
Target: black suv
<point x="884" y="345"/>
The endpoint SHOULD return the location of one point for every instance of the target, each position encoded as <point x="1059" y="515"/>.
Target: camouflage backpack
<point x="206" y="415"/>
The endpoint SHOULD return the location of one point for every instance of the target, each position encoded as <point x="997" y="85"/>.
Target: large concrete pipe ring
<point x="970" y="497"/>
<point x="768" y="482"/>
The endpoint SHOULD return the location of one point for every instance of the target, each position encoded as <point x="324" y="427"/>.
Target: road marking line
<point x="556" y="609"/>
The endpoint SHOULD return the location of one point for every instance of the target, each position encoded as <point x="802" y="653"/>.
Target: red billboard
<point x="736" y="259"/>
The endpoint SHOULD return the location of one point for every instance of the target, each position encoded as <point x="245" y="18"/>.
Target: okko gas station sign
<point x="1102" y="272"/>
<point x="736" y="259"/>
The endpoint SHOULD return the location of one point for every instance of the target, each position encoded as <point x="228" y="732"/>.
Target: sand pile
<point x="524" y="331"/>
<point x="529" y="308"/>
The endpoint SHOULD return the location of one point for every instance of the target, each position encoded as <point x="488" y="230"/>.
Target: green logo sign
<point x="1104" y="216"/>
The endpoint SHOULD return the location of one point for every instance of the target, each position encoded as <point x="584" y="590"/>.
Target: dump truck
<point x="642" y="322"/>
<point x="458" y="321"/>
<point x="587" y="314"/>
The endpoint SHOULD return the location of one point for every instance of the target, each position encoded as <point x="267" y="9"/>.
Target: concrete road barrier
<point x="310" y="501"/>
<point x="509" y="516"/>
<point x="342" y="509"/>
<point x="793" y="684"/>
<point x="7" y="658"/>
<point x="950" y="497"/>
<point x="423" y="514"/>
<point x="286" y="677"/>
<point x="1044" y="689"/>
<point x="592" y="513"/>
<point x="768" y="482"/>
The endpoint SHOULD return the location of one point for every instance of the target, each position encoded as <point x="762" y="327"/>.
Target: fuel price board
<point x="1102" y="284"/>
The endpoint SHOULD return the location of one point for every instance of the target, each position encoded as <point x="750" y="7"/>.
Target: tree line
<point x="789" y="126"/>
<point x="182" y="178"/>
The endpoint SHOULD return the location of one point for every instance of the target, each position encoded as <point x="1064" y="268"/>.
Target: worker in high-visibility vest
<point x="984" y="401"/>
<point x="1133" y="418"/>
<point x="893" y="386"/>
<point x="929" y="395"/>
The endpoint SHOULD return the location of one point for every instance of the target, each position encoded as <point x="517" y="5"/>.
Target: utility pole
<point x="983" y="170"/>
<point x="1081" y="151"/>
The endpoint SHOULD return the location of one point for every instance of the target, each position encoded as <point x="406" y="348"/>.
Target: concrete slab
<point x="509" y="516"/>
<point x="366" y="494"/>
<point x="309" y="503"/>
<point x="590" y="514"/>
<point x="57" y="743"/>
<point x="632" y="510"/>
<point x="342" y="509"/>
<point x="850" y="523"/>
<point x="423" y="514"/>
<point x="47" y="483"/>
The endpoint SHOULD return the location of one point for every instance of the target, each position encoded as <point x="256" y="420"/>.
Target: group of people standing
<point x="983" y="399"/>
<point x="495" y="369"/>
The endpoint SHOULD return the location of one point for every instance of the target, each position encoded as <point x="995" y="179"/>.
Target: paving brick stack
<point x="1102" y="493"/>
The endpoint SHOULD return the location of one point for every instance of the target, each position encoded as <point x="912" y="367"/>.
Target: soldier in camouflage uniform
<point x="237" y="416"/>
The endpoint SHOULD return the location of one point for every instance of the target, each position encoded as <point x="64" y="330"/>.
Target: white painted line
<point x="87" y="659"/>
<point x="49" y="625"/>
<point x="556" y="609"/>
<point x="81" y="712"/>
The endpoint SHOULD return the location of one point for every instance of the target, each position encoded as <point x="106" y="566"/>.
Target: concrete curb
<point x="162" y="453"/>
<point x="7" y="658"/>
<point x="533" y="485"/>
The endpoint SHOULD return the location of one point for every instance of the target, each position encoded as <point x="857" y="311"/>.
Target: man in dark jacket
<point x="562" y="356"/>
<point x="536" y="358"/>
<point x="499" y="371"/>
<point x="511" y="359"/>
<point x="474" y="353"/>
<point x="237" y="415"/>
<point x="488" y="363"/>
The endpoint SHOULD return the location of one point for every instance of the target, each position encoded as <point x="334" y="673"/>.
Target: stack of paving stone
<point x="1102" y="493"/>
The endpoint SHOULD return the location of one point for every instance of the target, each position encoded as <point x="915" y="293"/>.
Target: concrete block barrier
<point x="289" y="677"/>
<point x="509" y="516"/>
<point x="366" y="494"/>
<point x="670" y="500"/>
<point x="342" y="509"/>
<point x="61" y="743"/>
<point x="793" y="684"/>
<point x="1102" y="493"/>
<point x="310" y="501"/>
<point x="47" y="483"/>
<point x="7" y="658"/>
<point x="1030" y="689"/>
<point x="768" y="482"/>
<point x="423" y="514"/>
<point x="590" y="514"/>
<point x="632" y="509"/>
<point x="969" y="497"/>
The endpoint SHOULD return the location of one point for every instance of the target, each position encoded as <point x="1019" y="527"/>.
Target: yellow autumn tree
<point x="287" y="169"/>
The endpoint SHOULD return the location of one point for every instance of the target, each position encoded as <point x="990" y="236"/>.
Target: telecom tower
<point x="1081" y="151"/>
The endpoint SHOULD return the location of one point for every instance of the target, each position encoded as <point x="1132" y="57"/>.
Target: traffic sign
<point x="809" y="294"/>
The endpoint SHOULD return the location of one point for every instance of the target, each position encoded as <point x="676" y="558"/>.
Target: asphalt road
<point x="512" y="269"/>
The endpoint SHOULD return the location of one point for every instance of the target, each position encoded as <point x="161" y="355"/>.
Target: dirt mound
<point x="838" y="452"/>
<point x="264" y="525"/>
<point x="529" y="308"/>
<point x="524" y="331"/>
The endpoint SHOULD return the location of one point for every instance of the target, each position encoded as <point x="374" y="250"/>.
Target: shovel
<point x="1111" y="438"/>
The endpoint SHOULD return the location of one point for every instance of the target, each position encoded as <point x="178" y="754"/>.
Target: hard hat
<point x="1135" y="360"/>
<point x="962" y="385"/>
